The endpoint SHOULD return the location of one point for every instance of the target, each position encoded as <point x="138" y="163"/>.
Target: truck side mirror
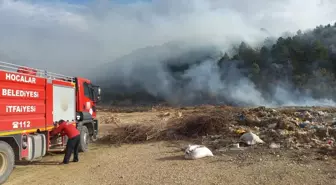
<point x="98" y="90"/>
<point x="98" y="95"/>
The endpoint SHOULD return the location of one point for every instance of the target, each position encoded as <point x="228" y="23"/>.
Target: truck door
<point x="89" y="99"/>
<point x="85" y="97"/>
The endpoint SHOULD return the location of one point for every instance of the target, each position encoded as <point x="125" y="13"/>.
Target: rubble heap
<point x="288" y="128"/>
<point x="224" y="126"/>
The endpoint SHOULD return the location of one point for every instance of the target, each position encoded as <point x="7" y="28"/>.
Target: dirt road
<point x="162" y="163"/>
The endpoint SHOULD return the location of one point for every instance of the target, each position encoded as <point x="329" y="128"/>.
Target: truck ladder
<point x="9" y="67"/>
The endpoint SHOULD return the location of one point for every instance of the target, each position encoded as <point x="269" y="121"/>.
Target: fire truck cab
<point x="32" y="101"/>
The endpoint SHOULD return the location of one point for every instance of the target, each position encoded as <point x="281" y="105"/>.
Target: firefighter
<point x="73" y="135"/>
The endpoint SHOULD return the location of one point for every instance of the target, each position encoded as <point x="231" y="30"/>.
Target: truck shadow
<point x="43" y="163"/>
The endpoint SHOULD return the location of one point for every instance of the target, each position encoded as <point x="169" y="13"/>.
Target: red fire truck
<point x="31" y="103"/>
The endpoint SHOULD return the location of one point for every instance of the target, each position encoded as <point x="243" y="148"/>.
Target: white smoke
<point x="78" y="39"/>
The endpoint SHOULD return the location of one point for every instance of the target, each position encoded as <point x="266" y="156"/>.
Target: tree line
<point x="306" y="62"/>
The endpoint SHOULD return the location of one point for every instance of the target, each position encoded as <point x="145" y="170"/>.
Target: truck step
<point x="56" y="149"/>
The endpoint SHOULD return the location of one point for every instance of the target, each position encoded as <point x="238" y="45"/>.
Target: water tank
<point x="37" y="145"/>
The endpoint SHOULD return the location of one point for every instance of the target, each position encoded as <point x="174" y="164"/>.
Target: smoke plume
<point x="132" y="47"/>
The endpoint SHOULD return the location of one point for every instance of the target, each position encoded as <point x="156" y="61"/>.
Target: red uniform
<point x="73" y="142"/>
<point x="68" y="129"/>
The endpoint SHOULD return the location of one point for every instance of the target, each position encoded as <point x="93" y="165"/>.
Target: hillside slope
<point x="293" y="70"/>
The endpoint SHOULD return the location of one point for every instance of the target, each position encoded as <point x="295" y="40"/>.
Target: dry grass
<point x="192" y="124"/>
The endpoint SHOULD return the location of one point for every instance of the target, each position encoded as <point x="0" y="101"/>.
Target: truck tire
<point x="84" y="139"/>
<point x="7" y="159"/>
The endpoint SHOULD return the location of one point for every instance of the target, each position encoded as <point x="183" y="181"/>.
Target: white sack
<point x="197" y="152"/>
<point x="251" y="138"/>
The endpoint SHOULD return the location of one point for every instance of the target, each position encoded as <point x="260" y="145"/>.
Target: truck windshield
<point x="88" y="91"/>
<point x="92" y="92"/>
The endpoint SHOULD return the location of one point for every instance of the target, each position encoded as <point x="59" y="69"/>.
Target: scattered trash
<point x="251" y="139"/>
<point x="292" y="128"/>
<point x="236" y="145"/>
<point x="321" y="113"/>
<point x="330" y="142"/>
<point x="304" y="124"/>
<point x="273" y="125"/>
<point x="161" y="115"/>
<point x="240" y="131"/>
<point x="179" y="114"/>
<point x="241" y="117"/>
<point x="197" y="152"/>
<point x="274" y="146"/>
<point x="334" y="122"/>
<point x="223" y="149"/>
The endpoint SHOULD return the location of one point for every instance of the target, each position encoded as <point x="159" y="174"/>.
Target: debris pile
<point x="289" y="128"/>
<point x="220" y="127"/>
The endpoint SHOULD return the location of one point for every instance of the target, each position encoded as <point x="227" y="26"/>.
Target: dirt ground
<point x="162" y="163"/>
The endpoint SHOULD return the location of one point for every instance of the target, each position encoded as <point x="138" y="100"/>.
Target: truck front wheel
<point x="7" y="159"/>
<point x="84" y="139"/>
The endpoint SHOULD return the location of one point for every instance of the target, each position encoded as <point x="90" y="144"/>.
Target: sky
<point x="77" y="38"/>
<point x="85" y="2"/>
<point x="116" y="1"/>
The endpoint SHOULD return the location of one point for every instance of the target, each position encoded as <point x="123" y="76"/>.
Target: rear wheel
<point x="7" y="159"/>
<point x="84" y="139"/>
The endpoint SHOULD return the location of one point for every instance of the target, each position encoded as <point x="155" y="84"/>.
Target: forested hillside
<point x="306" y="62"/>
<point x="290" y="69"/>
